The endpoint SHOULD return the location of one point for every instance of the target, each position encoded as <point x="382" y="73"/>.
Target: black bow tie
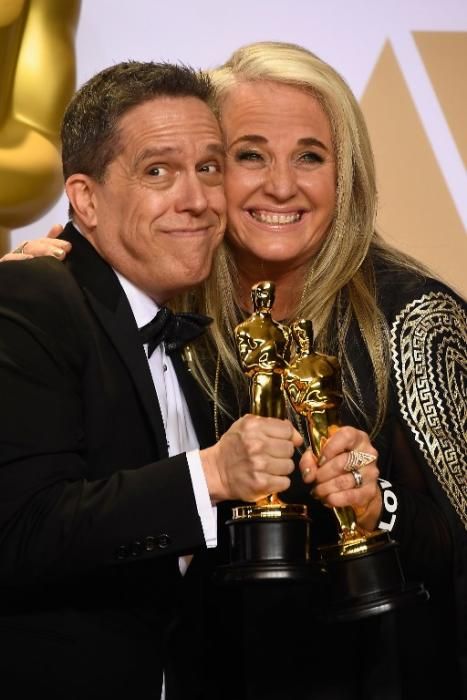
<point x="175" y="330"/>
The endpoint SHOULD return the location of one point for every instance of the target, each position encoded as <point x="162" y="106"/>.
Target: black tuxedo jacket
<point x="93" y="513"/>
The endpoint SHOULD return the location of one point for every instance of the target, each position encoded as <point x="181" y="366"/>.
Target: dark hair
<point x="90" y="135"/>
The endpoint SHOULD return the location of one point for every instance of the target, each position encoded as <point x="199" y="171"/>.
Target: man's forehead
<point x="165" y="125"/>
<point x="176" y="149"/>
<point x="165" y="109"/>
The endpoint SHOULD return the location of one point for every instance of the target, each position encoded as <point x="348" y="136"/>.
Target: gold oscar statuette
<point x="363" y="574"/>
<point x="264" y="347"/>
<point x="314" y="389"/>
<point x="269" y="538"/>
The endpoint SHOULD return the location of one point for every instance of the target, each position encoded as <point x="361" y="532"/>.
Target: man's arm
<point x="57" y="513"/>
<point x="77" y="486"/>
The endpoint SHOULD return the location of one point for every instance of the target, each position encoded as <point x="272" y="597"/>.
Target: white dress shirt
<point x="181" y="436"/>
<point x="179" y="430"/>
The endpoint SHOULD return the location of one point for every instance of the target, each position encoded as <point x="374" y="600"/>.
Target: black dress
<point x="265" y="640"/>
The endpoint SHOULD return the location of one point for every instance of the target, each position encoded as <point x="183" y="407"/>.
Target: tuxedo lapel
<point x="111" y="308"/>
<point x="121" y="328"/>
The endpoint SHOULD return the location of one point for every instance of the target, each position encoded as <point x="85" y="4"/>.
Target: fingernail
<point x="57" y="252"/>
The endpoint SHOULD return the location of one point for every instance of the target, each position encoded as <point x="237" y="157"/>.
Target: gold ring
<point x="356" y="459"/>
<point x="20" y="249"/>
<point x="358" y="478"/>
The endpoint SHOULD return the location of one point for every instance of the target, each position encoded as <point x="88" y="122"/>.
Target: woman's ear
<point x="80" y="190"/>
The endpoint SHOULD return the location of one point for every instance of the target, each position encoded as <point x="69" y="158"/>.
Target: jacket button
<point x="122" y="552"/>
<point x="149" y="544"/>
<point x="136" y="548"/>
<point x="163" y="541"/>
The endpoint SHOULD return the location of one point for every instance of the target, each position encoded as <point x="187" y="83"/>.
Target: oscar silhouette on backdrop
<point x="33" y="96"/>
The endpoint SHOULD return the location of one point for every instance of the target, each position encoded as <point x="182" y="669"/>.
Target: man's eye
<point x="157" y="170"/>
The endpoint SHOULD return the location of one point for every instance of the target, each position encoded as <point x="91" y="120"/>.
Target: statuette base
<point x="364" y="578"/>
<point x="269" y="543"/>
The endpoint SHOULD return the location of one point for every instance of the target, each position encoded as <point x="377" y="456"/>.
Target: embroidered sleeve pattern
<point x="428" y="347"/>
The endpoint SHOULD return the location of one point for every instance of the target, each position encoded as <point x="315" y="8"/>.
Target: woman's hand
<point x="337" y="484"/>
<point x="49" y="245"/>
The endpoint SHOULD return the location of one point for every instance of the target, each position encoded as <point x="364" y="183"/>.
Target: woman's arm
<point x="47" y="245"/>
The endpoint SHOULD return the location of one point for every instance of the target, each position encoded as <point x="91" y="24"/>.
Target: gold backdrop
<point x="37" y="78"/>
<point x="416" y="210"/>
<point x="422" y="201"/>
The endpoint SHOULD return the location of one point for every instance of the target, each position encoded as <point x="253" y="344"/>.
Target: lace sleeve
<point x="428" y="346"/>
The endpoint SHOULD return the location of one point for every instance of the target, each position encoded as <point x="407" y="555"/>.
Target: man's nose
<point x="192" y="195"/>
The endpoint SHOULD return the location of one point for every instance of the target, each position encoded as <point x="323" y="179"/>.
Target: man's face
<point x="159" y="214"/>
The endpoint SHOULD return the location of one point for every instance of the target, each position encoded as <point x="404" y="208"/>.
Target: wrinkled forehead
<point x="169" y="109"/>
<point x="170" y="125"/>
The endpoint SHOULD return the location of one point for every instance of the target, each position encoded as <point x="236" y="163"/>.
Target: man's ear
<point x="80" y="190"/>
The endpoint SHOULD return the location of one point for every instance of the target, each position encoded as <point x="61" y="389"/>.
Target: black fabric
<point x="93" y="513"/>
<point x="274" y="645"/>
<point x="174" y="330"/>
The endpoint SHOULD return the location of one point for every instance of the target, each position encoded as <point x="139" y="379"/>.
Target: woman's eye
<point x="311" y="157"/>
<point x="157" y="170"/>
<point x="210" y="168"/>
<point x="252" y="156"/>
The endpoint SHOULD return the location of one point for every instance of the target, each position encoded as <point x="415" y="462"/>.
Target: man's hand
<point x="251" y="460"/>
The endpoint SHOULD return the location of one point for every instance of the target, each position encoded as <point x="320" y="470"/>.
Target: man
<point x="97" y="516"/>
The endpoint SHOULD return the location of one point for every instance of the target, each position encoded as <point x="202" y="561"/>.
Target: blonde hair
<point x="340" y="285"/>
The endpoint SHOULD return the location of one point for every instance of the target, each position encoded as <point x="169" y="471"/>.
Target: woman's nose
<point x="280" y="182"/>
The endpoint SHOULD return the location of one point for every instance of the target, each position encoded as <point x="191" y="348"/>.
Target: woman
<point x="301" y="199"/>
<point x="301" y="195"/>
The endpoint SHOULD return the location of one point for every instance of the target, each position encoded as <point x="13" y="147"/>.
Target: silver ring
<point x="356" y="459"/>
<point x="20" y="249"/>
<point x="358" y="478"/>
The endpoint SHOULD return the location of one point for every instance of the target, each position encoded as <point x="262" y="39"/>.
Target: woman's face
<point x="280" y="179"/>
